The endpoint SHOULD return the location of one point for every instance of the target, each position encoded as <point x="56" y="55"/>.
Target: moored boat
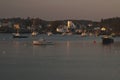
<point x="107" y="40"/>
<point x="49" y="33"/>
<point x="34" y="33"/>
<point x="42" y="42"/>
<point x="17" y="35"/>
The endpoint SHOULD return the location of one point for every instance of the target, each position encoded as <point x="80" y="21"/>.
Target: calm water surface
<point x="71" y="58"/>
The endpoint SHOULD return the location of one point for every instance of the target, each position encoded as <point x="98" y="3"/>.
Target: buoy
<point x="94" y="41"/>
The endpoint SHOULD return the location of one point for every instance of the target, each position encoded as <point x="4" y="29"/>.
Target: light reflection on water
<point x="71" y="58"/>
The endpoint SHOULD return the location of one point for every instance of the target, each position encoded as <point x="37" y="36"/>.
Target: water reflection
<point x="16" y="44"/>
<point x="112" y="48"/>
<point x="68" y="47"/>
<point x="66" y="60"/>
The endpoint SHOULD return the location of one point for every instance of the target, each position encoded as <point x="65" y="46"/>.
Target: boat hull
<point x="107" y="40"/>
<point x="19" y="36"/>
<point x="42" y="43"/>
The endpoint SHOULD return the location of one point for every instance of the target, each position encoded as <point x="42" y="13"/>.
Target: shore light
<point x="103" y="28"/>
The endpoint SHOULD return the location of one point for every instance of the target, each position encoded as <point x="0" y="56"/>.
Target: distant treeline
<point x="7" y="24"/>
<point x="113" y="23"/>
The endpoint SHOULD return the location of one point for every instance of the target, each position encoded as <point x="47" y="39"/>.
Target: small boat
<point x="67" y="33"/>
<point x="107" y="40"/>
<point x="83" y="34"/>
<point x="17" y="35"/>
<point x="34" y="33"/>
<point x="42" y="42"/>
<point x="49" y="33"/>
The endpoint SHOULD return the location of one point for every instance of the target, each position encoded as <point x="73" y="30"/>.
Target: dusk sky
<point x="60" y="9"/>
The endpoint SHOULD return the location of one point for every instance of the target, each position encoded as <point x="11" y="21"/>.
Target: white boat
<point x="83" y="34"/>
<point x="49" y="33"/>
<point x="34" y="33"/>
<point x="67" y="33"/>
<point x="63" y="33"/>
<point x="42" y="42"/>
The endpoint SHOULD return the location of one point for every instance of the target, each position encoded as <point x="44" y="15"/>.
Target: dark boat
<point x="17" y="35"/>
<point x="107" y="40"/>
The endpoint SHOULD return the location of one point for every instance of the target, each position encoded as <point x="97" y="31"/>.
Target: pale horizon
<point x="94" y="10"/>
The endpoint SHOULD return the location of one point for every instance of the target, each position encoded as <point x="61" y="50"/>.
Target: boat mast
<point x="17" y="27"/>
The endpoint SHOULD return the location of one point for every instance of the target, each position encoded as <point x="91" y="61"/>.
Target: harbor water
<point x="72" y="57"/>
